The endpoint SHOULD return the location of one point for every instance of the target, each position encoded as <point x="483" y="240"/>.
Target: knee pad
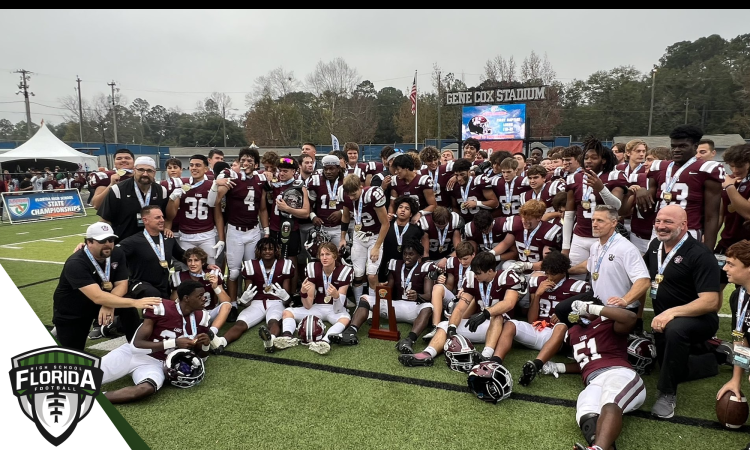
<point x="588" y="426"/>
<point x="234" y="274"/>
<point x="363" y="304"/>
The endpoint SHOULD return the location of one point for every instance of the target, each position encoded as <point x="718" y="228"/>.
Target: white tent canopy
<point x="44" y="145"/>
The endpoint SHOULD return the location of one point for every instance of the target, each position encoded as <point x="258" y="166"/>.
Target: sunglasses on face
<point x="105" y="241"/>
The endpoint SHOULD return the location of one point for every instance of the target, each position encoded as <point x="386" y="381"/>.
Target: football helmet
<point x="460" y="354"/>
<point x="448" y="307"/>
<point x="641" y="354"/>
<point x="345" y="254"/>
<point x="315" y="239"/>
<point x="479" y="125"/>
<point x="490" y="381"/>
<point x="184" y="369"/>
<point x="310" y="329"/>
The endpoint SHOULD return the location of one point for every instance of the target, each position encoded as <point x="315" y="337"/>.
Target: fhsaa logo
<point x="56" y="388"/>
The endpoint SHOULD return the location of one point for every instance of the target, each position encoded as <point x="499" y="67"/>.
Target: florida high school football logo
<point x="56" y="388"/>
<point x="18" y="206"/>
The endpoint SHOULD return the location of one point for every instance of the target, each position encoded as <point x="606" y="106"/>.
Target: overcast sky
<point x="175" y="58"/>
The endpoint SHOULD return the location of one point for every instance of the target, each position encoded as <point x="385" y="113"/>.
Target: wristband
<point x="451" y="327"/>
<point x="303" y="295"/>
<point x="481" y="205"/>
<point x="205" y="348"/>
<point x="267" y="231"/>
<point x="344" y="227"/>
<point x="217" y="290"/>
<point x="215" y="187"/>
<point x="493" y="252"/>
<point x="313" y="215"/>
<point x="595" y="309"/>
<point x="169" y="343"/>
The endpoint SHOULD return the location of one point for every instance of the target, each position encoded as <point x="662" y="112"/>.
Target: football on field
<point x="731" y="411"/>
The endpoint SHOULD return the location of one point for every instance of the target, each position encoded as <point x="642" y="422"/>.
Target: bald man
<point x="685" y="295"/>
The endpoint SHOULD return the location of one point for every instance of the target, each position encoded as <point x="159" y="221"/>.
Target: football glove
<point x="553" y="368"/>
<point x="521" y="266"/>
<point x="580" y="307"/>
<point x="279" y="292"/>
<point x="219" y="247"/>
<point x="176" y="194"/>
<point x="248" y="295"/>
<point x="477" y="319"/>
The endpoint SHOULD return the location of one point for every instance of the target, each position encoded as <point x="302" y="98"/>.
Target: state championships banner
<point x="32" y="206"/>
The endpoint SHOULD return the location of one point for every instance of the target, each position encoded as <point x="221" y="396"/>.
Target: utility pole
<point x="80" y="109"/>
<point x="114" y="108"/>
<point x="440" y="101"/>
<point x="687" y="102"/>
<point x="651" y="113"/>
<point x="224" y="122"/>
<point x="24" y="86"/>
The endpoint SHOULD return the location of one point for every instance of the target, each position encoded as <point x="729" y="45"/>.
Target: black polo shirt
<point x="692" y="270"/>
<point x="143" y="263"/>
<point x="68" y="301"/>
<point x="121" y="206"/>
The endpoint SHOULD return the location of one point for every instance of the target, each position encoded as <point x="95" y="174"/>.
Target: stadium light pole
<point x="651" y="112"/>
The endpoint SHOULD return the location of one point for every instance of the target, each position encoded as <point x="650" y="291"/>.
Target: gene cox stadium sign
<point x="474" y="97"/>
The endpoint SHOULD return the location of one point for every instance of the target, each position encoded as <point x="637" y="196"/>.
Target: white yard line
<point x="110" y="344"/>
<point x="42" y="239"/>
<point x="52" y="240"/>
<point x="720" y="315"/>
<point x="53" y="229"/>
<point x="24" y="232"/>
<point x="32" y="261"/>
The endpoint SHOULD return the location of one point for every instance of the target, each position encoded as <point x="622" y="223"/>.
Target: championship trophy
<point x="392" y="333"/>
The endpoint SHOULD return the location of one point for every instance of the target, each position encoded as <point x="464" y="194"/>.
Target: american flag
<point x="413" y="95"/>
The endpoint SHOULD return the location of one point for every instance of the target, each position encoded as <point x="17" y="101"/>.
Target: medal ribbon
<point x="184" y="322"/>
<point x="604" y="250"/>
<point x="103" y="274"/>
<point x="663" y="265"/>
<point x="527" y="239"/>
<point x="460" y="277"/>
<point x="588" y="190"/>
<point x="487" y="238"/>
<point x="138" y="195"/>
<point x="279" y="184"/>
<point x="160" y="251"/>
<point x="442" y="235"/>
<point x="557" y="286"/>
<point x="326" y="280"/>
<point x="400" y="237"/>
<point x="332" y="192"/>
<point x="485" y="294"/>
<point x="536" y="196"/>
<point x="435" y="184"/>
<point x="406" y="281"/>
<point x="269" y="278"/>
<point x="358" y="212"/>
<point x="741" y="306"/>
<point x="465" y="192"/>
<point x="509" y="190"/>
<point x="671" y="180"/>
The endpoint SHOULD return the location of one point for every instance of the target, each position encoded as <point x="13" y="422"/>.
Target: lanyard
<point x="628" y="172"/>
<point x="741" y="306"/>
<point x="269" y="278"/>
<point x="604" y="250"/>
<point x="358" y="213"/>
<point x="536" y="196"/>
<point x="527" y="239"/>
<point x="103" y="274"/>
<point x="332" y="192"/>
<point x="442" y="235"/>
<point x="400" y="237"/>
<point x="279" y="184"/>
<point x="184" y="322"/>
<point x="460" y="276"/>
<point x="160" y="251"/>
<point x="671" y="180"/>
<point x="663" y="265"/>
<point x="485" y="294"/>
<point x="557" y="286"/>
<point x="138" y="194"/>
<point x="326" y="280"/>
<point x="465" y="192"/>
<point x="587" y="190"/>
<point x="406" y="280"/>
<point x="435" y="179"/>
<point x="509" y="190"/>
<point x="193" y="186"/>
<point x="487" y="238"/>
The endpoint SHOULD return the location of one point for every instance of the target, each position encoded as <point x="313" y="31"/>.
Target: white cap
<point x="330" y="160"/>
<point x="145" y="160"/>
<point x="100" y="231"/>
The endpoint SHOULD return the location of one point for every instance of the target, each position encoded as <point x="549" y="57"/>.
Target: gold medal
<point x="731" y="208"/>
<point x="573" y="318"/>
<point x="667" y="196"/>
<point x="526" y="252"/>
<point x="506" y="205"/>
<point x="398" y="249"/>
<point x="332" y="204"/>
<point x="595" y="275"/>
<point x="659" y="278"/>
<point x="586" y="204"/>
<point x="737" y="335"/>
<point x="358" y="227"/>
<point x="164" y="264"/>
<point x="121" y="172"/>
<point x="267" y="289"/>
<point x="441" y="249"/>
<point x="327" y="299"/>
<point x="206" y="276"/>
<point x="186" y="187"/>
<point x="107" y="286"/>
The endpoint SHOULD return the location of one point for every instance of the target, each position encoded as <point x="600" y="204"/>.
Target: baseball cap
<point x="99" y="231"/>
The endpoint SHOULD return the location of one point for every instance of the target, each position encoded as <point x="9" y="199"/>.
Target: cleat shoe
<point x="528" y="373"/>
<point x="267" y="339"/>
<point x="350" y="304"/>
<point x="53" y="332"/>
<point x="405" y="345"/>
<point x="220" y="348"/>
<point x="320" y="347"/>
<point x="416" y="360"/>
<point x="347" y="337"/>
<point x="724" y="354"/>
<point x="664" y="406"/>
<point x="96" y="333"/>
<point x="429" y="335"/>
<point x="282" y="342"/>
<point x="233" y="314"/>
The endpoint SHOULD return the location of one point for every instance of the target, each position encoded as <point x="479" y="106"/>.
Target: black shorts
<point x="292" y="246"/>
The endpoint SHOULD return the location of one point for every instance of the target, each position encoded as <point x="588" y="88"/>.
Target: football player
<point x="521" y="170"/>
<point x="440" y="173"/>
<point x="446" y="156"/>
<point x="172" y="325"/>
<point x="102" y="181"/>
<point x="174" y="175"/>
<point x="571" y="161"/>
<point x="470" y="149"/>
<point x="691" y="183"/>
<point x="363" y="170"/>
<point x="449" y="279"/>
<point x="443" y="230"/>
<point x="509" y="188"/>
<point x="486" y="296"/>
<point x="326" y="198"/>
<point x="470" y="193"/>
<point x="408" y="182"/>
<point x="268" y="281"/>
<point x="599" y="183"/>
<point x="323" y="295"/>
<point x="734" y="200"/>
<point x="245" y="209"/>
<point x="487" y="233"/>
<point x="543" y="190"/>
<point x="216" y="300"/>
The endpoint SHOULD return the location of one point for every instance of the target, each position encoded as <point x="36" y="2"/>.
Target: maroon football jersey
<point x="415" y="189"/>
<point x="624" y="167"/>
<point x="509" y="194"/>
<point x="547" y="234"/>
<point x="415" y="282"/>
<point x="565" y="289"/>
<point x="170" y="324"/>
<point x="576" y="184"/>
<point x="255" y="273"/>
<point x="477" y="186"/>
<point x="374" y="167"/>
<point x="49" y="185"/>
<point x="453" y="266"/>
<point x="195" y="215"/>
<point x="486" y="241"/>
<point x="435" y="235"/>
<point x="546" y="194"/>
<point x="440" y="178"/>
<point x="99" y="179"/>
<point x="503" y="281"/>
<point x="319" y="192"/>
<point x="641" y="223"/>
<point x="597" y="346"/>
<point x="209" y="297"/>
<point x="341" y="276"/>
<point x="359" y="169"/>
<point x="173" y="183"/>
<point x="687" y="191"/>
<point x="372" y="197"/>
<point x="243" y="200"/>
<point x="273" y="211"/>
<point x="733" y="230"/>
<point x="77" y="182"/>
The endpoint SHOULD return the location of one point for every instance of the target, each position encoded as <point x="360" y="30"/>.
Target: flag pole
<point x="416" y="113"/>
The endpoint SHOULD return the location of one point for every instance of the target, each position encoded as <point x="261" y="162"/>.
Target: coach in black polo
<point x="685" y="294"/>
<point x="124" y="201"/>
<point x="93" y="281"/>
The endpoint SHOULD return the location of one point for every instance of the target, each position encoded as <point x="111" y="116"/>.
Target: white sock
<point x="336" y="328"/>
<point x="289" y="325"/>
<point x="234" y="304"/>
<point x="487" y="352"/>
<point x="215" y="331"/>
<point x="431" y="351"/>
<point x="358" y="292"/>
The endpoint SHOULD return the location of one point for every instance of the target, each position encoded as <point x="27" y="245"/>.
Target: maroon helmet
<point x="641" y="354"/>
<point x="460" y="354"/>
<point x="311" y="329"/>
<point x="490" y="381"/>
